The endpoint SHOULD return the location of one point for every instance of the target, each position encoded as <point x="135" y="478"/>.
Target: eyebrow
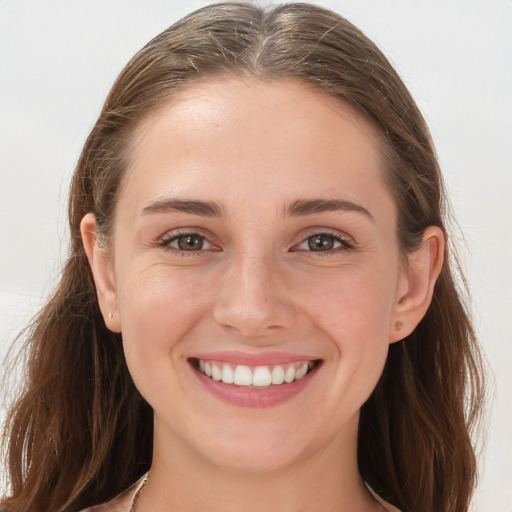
<point x="301" y="207"/>
<point x="195" y="207"/>
<point x="310" y="206"/>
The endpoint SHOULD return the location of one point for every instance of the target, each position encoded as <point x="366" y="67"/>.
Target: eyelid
<point x="346" y="242"/>
<point x="177" y="238"/>
<point x="165" y="240"/>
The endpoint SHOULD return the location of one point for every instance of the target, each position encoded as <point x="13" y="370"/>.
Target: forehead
<point x="286" y="134"/>
<point x="207" y="103"/>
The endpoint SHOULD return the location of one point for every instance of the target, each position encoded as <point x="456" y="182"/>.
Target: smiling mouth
<point x="254" y="377"/>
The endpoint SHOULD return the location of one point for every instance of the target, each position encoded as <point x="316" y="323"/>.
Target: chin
<point x="256" y="456"/>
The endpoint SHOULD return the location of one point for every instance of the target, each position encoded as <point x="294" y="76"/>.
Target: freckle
<point x="398" y="325"/>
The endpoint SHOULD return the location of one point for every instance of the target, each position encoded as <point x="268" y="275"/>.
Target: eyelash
<point x="345" y="245"/>
<point x="166" y="240"/>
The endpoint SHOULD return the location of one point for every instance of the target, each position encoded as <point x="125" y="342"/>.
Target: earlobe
<point x="101" y="267"/>
<point x="417" y="283"/>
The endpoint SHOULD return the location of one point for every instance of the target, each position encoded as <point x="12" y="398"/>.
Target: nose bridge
<point x="251" y="298"/>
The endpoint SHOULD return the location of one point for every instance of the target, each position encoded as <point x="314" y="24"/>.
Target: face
<point x="255" y="241"/>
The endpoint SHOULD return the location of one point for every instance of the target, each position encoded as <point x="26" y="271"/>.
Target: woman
<point x="258" y="311"/>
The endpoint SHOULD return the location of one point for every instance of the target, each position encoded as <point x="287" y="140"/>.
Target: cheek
<point x="350" y="300"/>
<point x="354" y="312"/>
<point x="157" y="311"/>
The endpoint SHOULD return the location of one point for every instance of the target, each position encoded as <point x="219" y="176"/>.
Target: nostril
<point x="252" y="321"/>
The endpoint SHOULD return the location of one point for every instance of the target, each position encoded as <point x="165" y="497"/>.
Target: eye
<point x="189" y="242"/>
<point x="324" y="242"/>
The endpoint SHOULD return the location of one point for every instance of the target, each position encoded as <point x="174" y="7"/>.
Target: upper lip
<point x="256" y="359"/>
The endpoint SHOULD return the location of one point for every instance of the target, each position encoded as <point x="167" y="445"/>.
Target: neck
<point x="327" y="480"/>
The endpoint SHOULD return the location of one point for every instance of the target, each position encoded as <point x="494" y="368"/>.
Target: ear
<point x="101" y="267"/>
<point x="416" y="284"/>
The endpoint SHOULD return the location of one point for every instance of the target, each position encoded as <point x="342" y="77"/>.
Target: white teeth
<point x="261" y="377"/>
<point x="216" y="373"/>
<point x="301" y="371"/>
<point x="228" y="376"/>
<point x="243" y="376"/>
<point x="277" y="375"/>
<point x="289" y="375"/>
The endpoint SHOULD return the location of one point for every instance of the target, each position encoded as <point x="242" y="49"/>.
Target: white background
<point x="58" y="60"/>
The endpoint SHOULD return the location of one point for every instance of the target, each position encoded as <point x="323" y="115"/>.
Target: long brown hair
<point x="80" y="433"/>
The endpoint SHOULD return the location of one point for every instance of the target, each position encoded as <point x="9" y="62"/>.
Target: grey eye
<point x="189" y="242"/>
<point x="322" y="242"/>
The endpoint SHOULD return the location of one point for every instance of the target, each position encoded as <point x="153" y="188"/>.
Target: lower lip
<point x="257" y="398"/>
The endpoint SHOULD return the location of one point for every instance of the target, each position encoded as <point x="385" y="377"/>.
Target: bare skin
<point x="259" y="268"/>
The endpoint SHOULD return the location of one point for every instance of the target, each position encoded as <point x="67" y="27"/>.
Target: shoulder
<point x="387" y="506"/>
<point x="120" y="504"/>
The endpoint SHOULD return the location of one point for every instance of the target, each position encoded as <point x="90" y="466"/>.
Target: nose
<point x="253" y="298"/>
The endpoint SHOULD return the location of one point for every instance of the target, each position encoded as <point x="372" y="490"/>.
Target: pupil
<point x="321" y="243"/>
<point x="190" y="243"/>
